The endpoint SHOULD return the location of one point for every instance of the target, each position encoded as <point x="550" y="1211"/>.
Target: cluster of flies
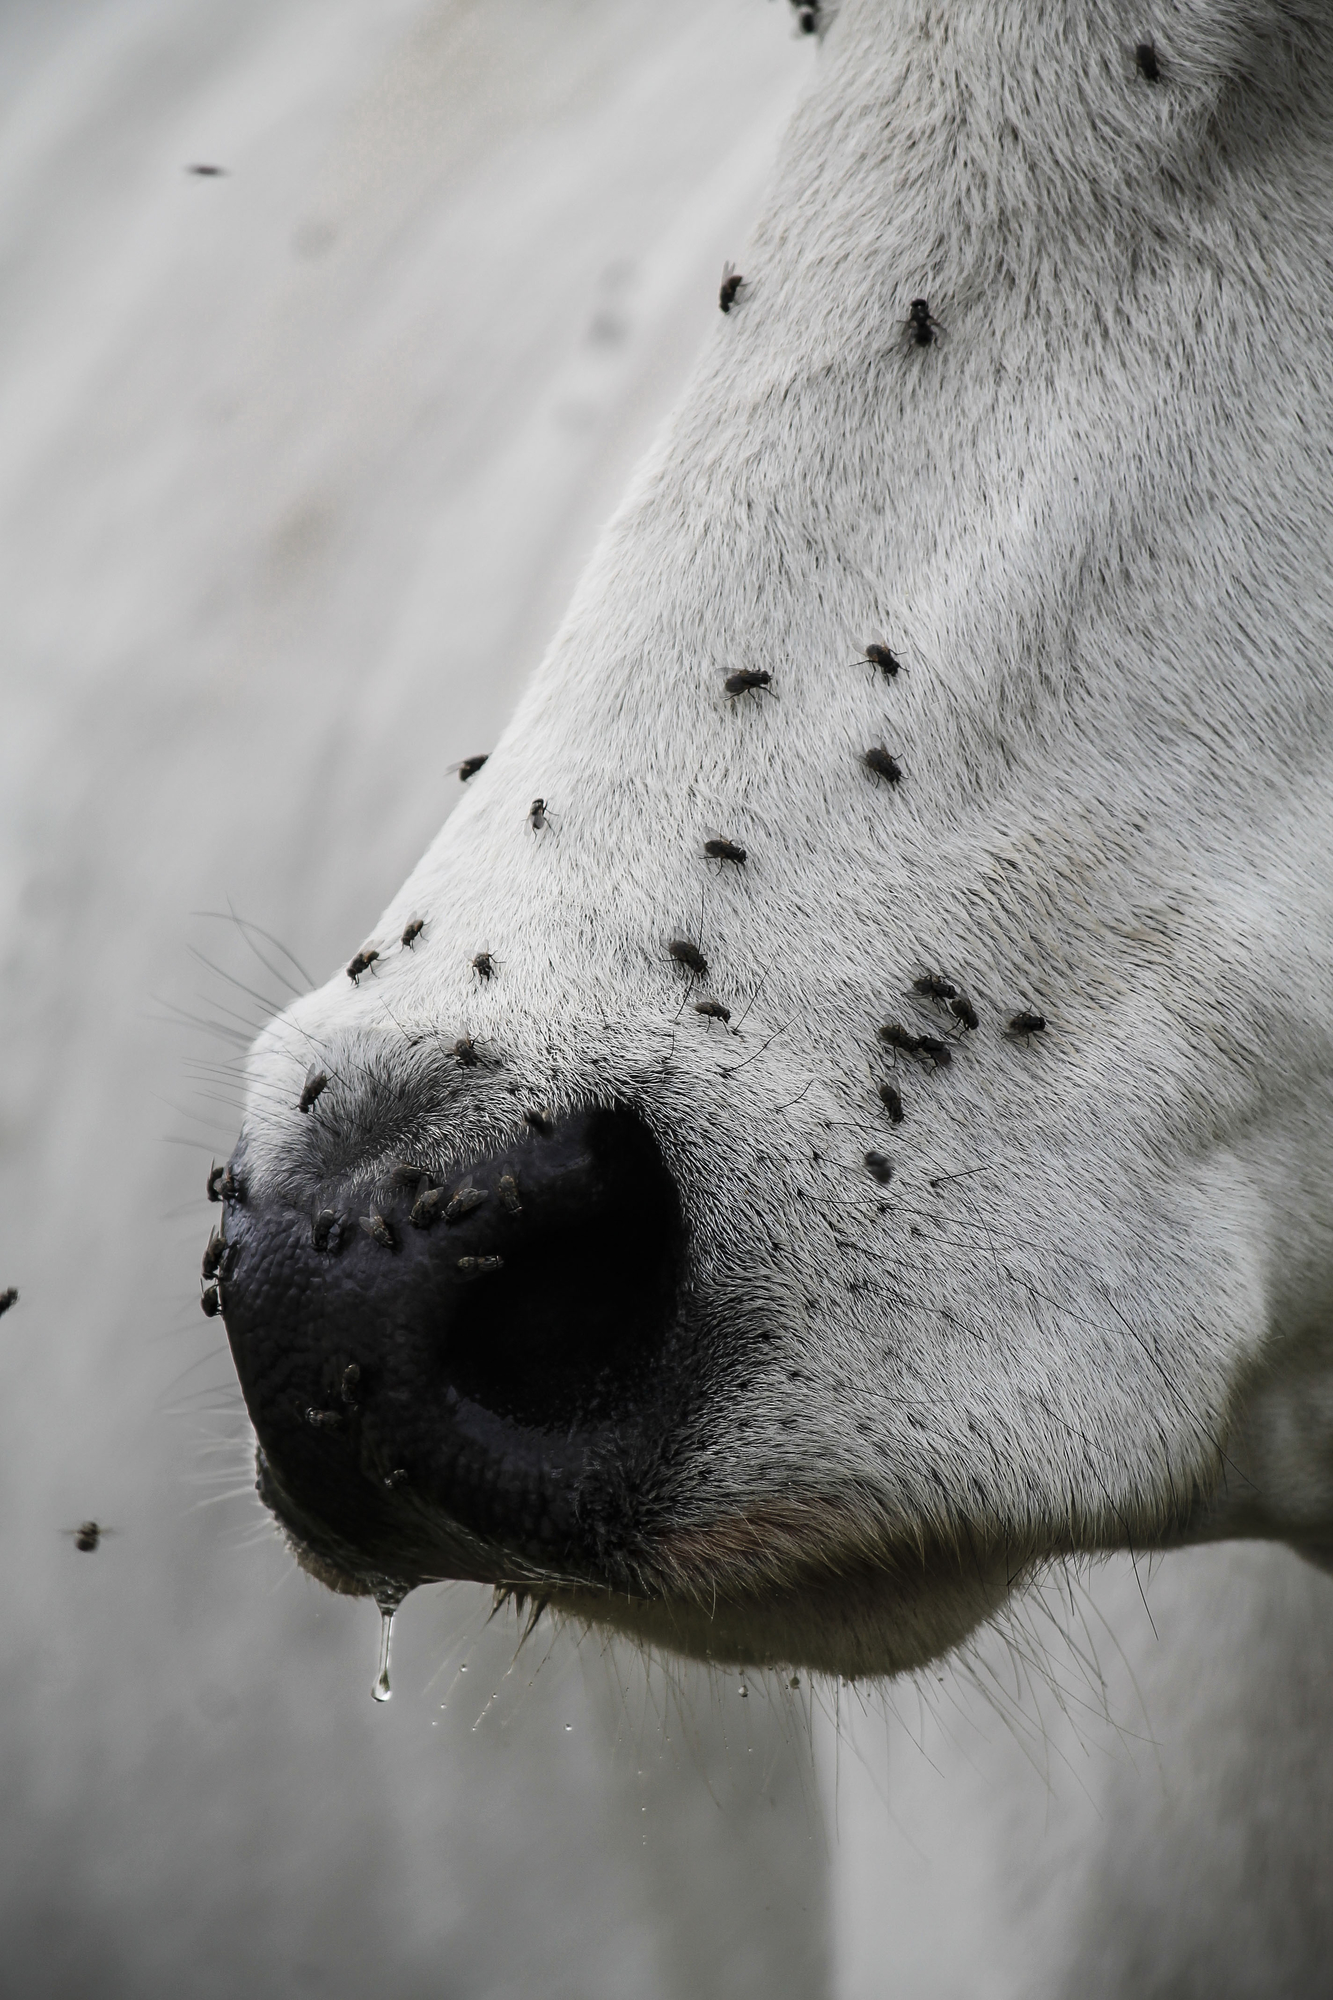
<point x="349" y="1401"/>
<point x="937" y="1050"/>
<point x="741" y="684"/>
<point x="433" y="1202"/>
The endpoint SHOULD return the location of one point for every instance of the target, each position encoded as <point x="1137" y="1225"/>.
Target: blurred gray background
<point x="298" y="464"/>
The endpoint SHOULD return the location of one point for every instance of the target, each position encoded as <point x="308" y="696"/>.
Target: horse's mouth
<point x="788" y="1584"/>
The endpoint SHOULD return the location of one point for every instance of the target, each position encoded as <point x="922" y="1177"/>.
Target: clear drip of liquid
<point x="388" y="1596"/>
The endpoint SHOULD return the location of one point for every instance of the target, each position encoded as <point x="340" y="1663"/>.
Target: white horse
<point x="840" y="1120"/>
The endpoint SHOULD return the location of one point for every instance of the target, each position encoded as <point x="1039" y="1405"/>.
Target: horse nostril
<point x="463" y="1348"/>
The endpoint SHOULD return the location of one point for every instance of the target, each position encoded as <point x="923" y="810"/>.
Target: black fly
<point x="688" y="955"/>
<point x="750" y="680"/>
<point x="899" y="1038"/>
<point x="882" y="657"/>
<point x="882" y="764"/>
<point x="921" y="328"/>
<point x="315" y="1082"/>
<point x="891" y="1098"/>
<point x="464" y="1201"/>
<point x="479" y="1267"/>
<point x="713" y="1010"/>
<point x="326" y="1230"/>
<point x="964" y="1012"/>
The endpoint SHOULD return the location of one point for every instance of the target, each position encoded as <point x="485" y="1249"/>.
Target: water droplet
<point x="743" y="1692"/>
<point x="388" y="1596"/>
<point x="381" y="1690"/>
<point x="568" y="1727"/>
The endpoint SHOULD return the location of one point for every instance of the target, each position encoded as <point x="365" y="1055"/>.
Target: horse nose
<point x="431" y="1361"/>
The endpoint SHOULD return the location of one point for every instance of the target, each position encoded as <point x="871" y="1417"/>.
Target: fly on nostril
<point x="379" y="1230"/>
<point x="464" y="1201"/>
<point x="326" y="1231"/>
<point x="479" y="1267"/>
<point x="426" y="1208"/>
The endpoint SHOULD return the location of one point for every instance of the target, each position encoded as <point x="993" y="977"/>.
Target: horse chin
<point x="739" y="1593"/>
<point x="860" y="1626"/>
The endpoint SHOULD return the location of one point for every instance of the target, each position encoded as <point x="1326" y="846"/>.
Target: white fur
<point x="1094" y="521"/>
